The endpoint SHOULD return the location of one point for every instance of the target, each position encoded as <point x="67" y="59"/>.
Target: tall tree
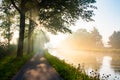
<point x="21" y="10"/>
<point x="114" y="40"/>
<point x="55" y="15"/>
<point x="32" y="25"/>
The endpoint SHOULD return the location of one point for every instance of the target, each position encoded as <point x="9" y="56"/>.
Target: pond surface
<point x="104" y="63"/>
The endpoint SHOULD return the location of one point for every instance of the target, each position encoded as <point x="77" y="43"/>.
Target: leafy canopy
<point x="57" y="15"/>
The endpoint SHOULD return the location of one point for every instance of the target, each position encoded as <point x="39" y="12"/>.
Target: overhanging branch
<point x="12" y="1"/>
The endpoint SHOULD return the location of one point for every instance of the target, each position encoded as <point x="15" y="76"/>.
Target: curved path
<point x="37" y="69"/>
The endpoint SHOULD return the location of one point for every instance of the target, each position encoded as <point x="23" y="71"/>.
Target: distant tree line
<point x="84" y="39"/>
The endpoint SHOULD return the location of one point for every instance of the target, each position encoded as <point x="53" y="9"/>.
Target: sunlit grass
<point x="10" y="65"/>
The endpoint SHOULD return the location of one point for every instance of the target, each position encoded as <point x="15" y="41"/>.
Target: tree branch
<point x="12" y="1"/>
<point x="24" y="1"/>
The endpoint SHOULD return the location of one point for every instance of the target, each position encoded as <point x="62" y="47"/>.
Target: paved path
<point x="37" y="69"/>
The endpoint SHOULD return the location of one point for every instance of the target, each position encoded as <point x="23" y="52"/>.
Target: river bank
<point x="67" y="71"/>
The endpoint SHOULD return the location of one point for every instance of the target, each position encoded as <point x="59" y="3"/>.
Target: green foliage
<point x="58" y="15"/>
<point x="10" y="65"/>
<point x="2" y="51"/>
<point x="6" y="51"/>
<point x="66" y="71"/>
<point x="114" y="40"/>
<point x="6" y="21"/>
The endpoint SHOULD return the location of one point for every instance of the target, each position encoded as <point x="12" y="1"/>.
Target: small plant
<point x="95" y="75"/>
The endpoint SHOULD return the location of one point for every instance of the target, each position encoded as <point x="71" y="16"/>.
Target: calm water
<point x="104" y="63"/>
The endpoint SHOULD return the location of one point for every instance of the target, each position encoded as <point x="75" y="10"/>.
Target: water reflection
<point x="105" y="68"/>
<point x="105" y="63"/>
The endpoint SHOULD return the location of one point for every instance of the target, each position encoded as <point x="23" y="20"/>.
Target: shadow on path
<point x="37" y="69"/>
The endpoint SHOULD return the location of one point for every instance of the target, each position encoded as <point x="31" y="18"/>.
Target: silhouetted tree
<point x="96" y="38"/>
<point x="114" y="40"/>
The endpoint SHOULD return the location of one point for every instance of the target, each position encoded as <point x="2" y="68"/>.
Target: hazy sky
<point x="107" y="18"/>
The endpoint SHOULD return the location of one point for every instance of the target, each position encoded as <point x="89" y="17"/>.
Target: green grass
<point x="66" y="71"/>
<point x="10" y="65"/>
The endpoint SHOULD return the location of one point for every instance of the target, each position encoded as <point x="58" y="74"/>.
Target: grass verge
<point x="10" y="65"/>
<point x="66" y="71"/>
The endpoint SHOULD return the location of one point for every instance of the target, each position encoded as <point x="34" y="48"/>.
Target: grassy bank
<point x="10" y="65"/>
<point x="66" y="71"/>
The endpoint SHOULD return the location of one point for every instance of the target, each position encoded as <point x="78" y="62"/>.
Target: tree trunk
<point x="29" y="34"/>
<point x="21" y="34"/>
<point x="9" y="36"/>
<point x="21" y="10"/>
<point x="9" y="33"/>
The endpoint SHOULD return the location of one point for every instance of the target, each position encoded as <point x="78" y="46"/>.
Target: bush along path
<point x="37" y="69"/>
<point x="10" y="65"/>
